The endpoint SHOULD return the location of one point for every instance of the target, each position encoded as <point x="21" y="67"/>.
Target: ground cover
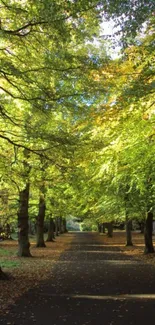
<point x="137" y="250"/>
<point x="26" y="273"/>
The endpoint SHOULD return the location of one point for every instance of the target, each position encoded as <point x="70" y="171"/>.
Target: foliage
<point x="85" y="120"/>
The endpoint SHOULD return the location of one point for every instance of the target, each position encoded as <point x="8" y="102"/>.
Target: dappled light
<point x="79" y="271"/>
<point x="77" y="175"/>
<point x="106" y="297"/>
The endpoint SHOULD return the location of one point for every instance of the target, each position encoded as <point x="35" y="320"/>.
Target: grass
<point x="9" y="264"/>
<point x="6" y="252"/>
<point x="6" y="256"/>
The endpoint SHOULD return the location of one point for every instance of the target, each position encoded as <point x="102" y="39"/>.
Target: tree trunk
<point x="50" y="235"/>
<point x="3" y="276"/>
<point x="128" y="232"/>
<point x="128" y="221"/>
<point x="23" y="226"/>
<point x="99" y="228"/>
<point x="148" y="233"/>
<point x="110" y="229"/>
<point x="60" y="225"/>
<point x="56" y="227"/>
<point x="103" y="228"/>
<point x="64" y="225"/>
<point x="40" y="221"/>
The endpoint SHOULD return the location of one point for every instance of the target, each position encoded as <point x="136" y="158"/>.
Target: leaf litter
<point x="27" y="273"/>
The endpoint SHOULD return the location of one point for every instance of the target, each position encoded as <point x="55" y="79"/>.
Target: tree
<point x="23" y="216"/>
<point x="66" y="102"/>
<point x="51" y="229"/>
<point x="40" y="218"/>
<point x="3" y="276"/>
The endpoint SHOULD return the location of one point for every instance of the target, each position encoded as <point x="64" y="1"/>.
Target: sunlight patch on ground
<point x="100" y="252"/>
<point x="102" y="297"/>
<point x="103" y="261"/>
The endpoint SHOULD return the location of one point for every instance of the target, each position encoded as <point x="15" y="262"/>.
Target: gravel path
<point x="90" y="284"/>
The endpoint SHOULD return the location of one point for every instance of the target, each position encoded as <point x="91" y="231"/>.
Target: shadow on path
<point x="91" y="283"/>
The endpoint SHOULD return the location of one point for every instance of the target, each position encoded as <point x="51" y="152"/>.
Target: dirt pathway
<point x="91" y="283"/>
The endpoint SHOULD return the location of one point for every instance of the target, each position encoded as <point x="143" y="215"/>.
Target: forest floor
<point x="26" y="273"/>
<point x="90" y="266"/>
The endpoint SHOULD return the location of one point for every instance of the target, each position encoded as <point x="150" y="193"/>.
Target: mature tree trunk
<point x="103" y="228"/>
<point x="23" y="226"/>
<point x="64" y="225"/>
<point x="60" y="225"/>
<point x="40" y="220"/>
<point x="56" y="227"/>
<point x="50" y="236"/>
<point x="110" y="229"/>
<point x="128" y="232"/>
<point x="3" y="276"/>
<point x="99" y="227"/>
<point x="148" y="233"/>
<point x="128" y="221"/>
<point x="23" y="216"/>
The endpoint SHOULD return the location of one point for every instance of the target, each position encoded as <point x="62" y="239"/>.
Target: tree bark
<point x="60" y="225"/>
<point x="110" y="229"/>
<point x="64" y="225"/>
<point x="128" y="221"/>
<point x="148" y="233"/>
<point x="128" y="232"/>
<point x="103" y="228"/>
<point x="56" y="227"/>
<point x="3" y="276"/>
<point x="40" y="221"/>
<point x="50" y="236"/>
<point x="23" y="226"/>
<point x="99" y="228"/>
